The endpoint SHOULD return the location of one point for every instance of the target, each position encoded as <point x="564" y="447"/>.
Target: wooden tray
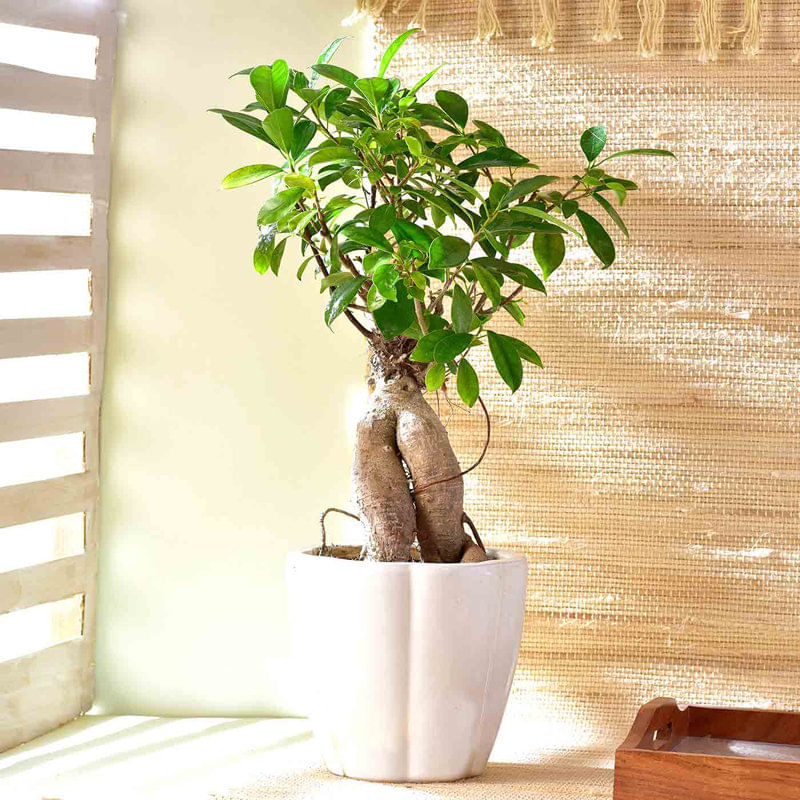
<point x="699" y="753"/>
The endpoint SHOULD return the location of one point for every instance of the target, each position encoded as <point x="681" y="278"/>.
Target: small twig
<point x="324" y="514"/>
<point x="475" y="535"/>
<point x="476" y="464"/>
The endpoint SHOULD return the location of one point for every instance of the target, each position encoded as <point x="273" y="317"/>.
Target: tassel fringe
<point x="364" y="7"/>
<point x="488" y="21"/>
<point x="420" y="15"/>
<point x="651" y="34"/>
<point x="607" y="25"/>
<point x="544" y="32"/>
<point x="707" y="31"/>
<point x="750" y="28"/>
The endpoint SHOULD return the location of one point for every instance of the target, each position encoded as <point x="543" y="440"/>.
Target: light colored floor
<point x="153" y="758"/>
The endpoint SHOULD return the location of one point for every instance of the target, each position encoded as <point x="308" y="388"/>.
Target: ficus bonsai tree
<point x="409" y="212"/>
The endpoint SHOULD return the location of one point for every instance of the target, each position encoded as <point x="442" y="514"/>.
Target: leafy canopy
<point x="410" y="210"/>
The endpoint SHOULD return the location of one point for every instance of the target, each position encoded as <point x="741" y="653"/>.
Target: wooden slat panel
<point x="18" y="253"/>
<point x="29" y="90"/>
<point x="73" y="16"/>
<point x="42" y="690"/>
<point x="55" y="497"/>
<point x="46" y="172"/>
<point x="30" y="586"/>
<point x="32" y="418"/>
<point x="37" y="337"/>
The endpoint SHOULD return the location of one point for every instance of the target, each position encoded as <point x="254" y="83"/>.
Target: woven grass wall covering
<point x="651" y="473"/>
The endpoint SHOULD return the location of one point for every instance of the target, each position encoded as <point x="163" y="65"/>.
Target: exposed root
<point x="324" y="545"/>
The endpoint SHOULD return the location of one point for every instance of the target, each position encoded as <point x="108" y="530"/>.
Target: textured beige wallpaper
<point x="651" y="472"/>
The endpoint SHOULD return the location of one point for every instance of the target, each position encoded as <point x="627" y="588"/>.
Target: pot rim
<point x="501" y="558"/>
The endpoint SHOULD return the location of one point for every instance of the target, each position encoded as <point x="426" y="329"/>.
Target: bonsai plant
<point x="408" y="213"/>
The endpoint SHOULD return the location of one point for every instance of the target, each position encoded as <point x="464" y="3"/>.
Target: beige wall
<point x="226" y="402"/>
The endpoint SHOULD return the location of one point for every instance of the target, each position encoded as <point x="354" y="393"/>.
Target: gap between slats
<point x="49" y="336"/>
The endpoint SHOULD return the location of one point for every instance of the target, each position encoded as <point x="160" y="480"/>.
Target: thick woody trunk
<point x="399" y="436"/>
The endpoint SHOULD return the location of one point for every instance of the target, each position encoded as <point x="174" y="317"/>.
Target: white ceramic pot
<point x="406" y="667"/>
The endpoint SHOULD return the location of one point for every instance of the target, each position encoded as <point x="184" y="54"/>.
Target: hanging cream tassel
<point x="607" y="25"/>
<point x="651" y="33"/>
<point x="707" y="31"/>
<point x="420" y="17"/>
<point x="364" y="7"/>
<point x="544" y="31"/>
<point x="488" y="21"/>
<point x="750" y="28"/>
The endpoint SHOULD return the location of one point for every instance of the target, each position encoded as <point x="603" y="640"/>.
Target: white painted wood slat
<point x="42" y="583"/>
<point x="29" y="90"/>
<point x="54" y="497"/>
<point x="33" y="418"/>
<point x="48" y="336"/>
<point x="22" y="253"/>
<point x="46" y="172"/>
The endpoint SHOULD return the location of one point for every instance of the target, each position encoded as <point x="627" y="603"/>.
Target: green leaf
<point x="374" y="298"/>
<point x="619" y="190"/>
<point x="467" y="383"/>
<point x="338" y="74"/>
<point x="593" y="141"/>
<point x="448" y="251"/>
<point x="494" y="157"/>
<point x="598" y="238"/>
<point x="391" y="50"/>
<point x="404" y="230"/>
<point x="568" y="208"/>
<point x="526" y="351"/>
<point x="262" y="252"/>
<point x="489" y="284"/>
<point x="373" y="260"/>
<point x="367" y="237"/>
<point x="454" y="106"/>
<point x="549" y="250"/>
<point x="642" y="151"/>
<point x="612" y="212"/>
<point x="423" y="352"/>
<point x="393" y="319"/>
<point x="384" y="278"/>
<point x="302" y="268"/>
<point x="422" y="81"/>
<point x="275" y="206"/>
<point x="450" y="346"/>
<point x="243" y="122"/>
<point x="334" y="280"/>
<point x="327" y="54"/>
<point x="536" y="212"/>
<point x="246" y="175"/>
<point x="295" y="179"/>
<point x="373" y="89"/>
<point x="328" y="154"/>
<point x="506" y="358"/>
<point x="342" y="296"/>
<point x="518" y="273"/>
<point x="461" y="310"/>
<point x="435" y="377"/>
<point x="279" y="126"/>
<point x="527" y="186"/>
<point x="515" y="312"/>
<point x="271" y="84"/>
<point x="302" y="134"/>
<point x="277" y="256"/>
<point x="382" y="219"/>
